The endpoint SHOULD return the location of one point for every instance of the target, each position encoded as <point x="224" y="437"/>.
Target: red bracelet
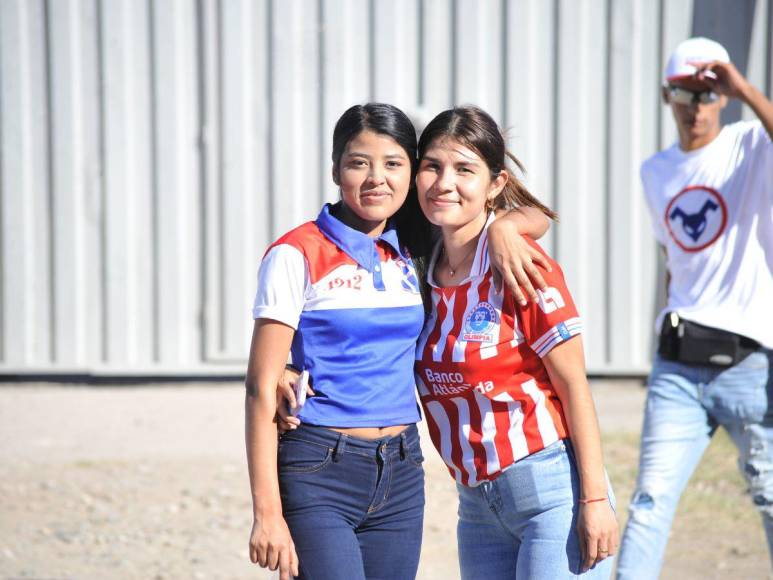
<point x="584" y="501"/>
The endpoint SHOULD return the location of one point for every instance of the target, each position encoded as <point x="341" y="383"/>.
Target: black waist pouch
<point x="692" y="343"/>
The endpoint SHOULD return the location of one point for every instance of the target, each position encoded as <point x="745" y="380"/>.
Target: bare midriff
<point x="370" y="432"/>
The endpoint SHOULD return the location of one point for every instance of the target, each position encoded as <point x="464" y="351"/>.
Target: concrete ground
<point x="150" y="482"/>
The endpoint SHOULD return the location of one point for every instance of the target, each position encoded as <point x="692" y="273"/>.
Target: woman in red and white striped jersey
<point x="503" y="384"/>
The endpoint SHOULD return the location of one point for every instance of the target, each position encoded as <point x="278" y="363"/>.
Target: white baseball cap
<point x="692" y="52"/>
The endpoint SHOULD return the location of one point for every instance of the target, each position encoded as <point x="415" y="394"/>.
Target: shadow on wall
<point x="730" y="24"/>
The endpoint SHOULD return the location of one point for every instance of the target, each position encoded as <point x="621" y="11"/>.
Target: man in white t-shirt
<point x="711" y="200"/>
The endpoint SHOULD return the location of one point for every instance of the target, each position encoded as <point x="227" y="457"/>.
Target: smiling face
<point x="374" y="175"/>
<point x="454" y="183"/>
<point x="698" y="123"/>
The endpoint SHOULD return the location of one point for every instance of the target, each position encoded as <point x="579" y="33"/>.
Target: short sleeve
<point x="647" y="181"/>
<point x="282" y="282"/>
<point x="553" y="319"/>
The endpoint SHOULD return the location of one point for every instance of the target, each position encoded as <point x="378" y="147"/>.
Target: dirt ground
<point x="150" y="482"/>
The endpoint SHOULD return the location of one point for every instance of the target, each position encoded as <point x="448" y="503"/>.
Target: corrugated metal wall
<point x="150" y="150"/>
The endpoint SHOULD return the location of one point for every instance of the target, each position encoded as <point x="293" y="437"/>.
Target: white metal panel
<point x="676" y="20"/>
<point x="437" y="65"/>
<point x="128" y="184"/>
<point x="633" y="90"/>
<point x="581" y="164"/>
<point x="345" y="77"/>
<point x="394" y="33"/>
<point x="176" y="187"/>
<point x="237" y="203"/>
<point x="478" y="46"/>
<point x="759" y="43"/>
<point x="151" y="150"/>
<point x="530" y="95"/>
<point x="75" y="228"/>
<point x="295" y="113"/>
<point x="26" y="272"/>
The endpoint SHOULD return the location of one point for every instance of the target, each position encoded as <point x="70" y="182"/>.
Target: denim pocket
<point x="415" y="454"/>
<point x="299" y="456"/>
<point x="740" y="392"/>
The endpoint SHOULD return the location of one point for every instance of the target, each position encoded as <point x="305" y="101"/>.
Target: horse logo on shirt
<point x="696" y="217"/>
<point x="480" y="323"/>
<point x="694" y="224"/>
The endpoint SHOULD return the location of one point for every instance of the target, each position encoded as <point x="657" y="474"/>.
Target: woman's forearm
<point x="270" y="345"/>
<point x="586" y="440"/>
<point x="566" y="366"/>
<point x="261" y="441"/>
<point x="528" y="221"/>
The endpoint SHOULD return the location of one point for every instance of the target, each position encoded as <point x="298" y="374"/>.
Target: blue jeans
<point x="523" y="524"/>
<point x="355" y="507"/>
<point x="685" y="405"/>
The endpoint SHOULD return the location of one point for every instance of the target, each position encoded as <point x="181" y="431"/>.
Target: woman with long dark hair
<point x="342" y="495"/>
<point x="503" y="385"/>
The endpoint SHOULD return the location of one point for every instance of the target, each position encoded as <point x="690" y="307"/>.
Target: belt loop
<point x="403" y="446"/>
<point x="339" y="448"/>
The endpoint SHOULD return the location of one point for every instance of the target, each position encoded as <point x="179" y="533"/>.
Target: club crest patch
<point x="480" y="323"/>
<point x="696" y="217"/>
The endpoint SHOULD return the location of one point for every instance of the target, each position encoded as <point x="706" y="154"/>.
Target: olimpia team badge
<point x="480" y="323"/>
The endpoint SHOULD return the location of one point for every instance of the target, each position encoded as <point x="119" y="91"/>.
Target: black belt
<point x="689" y="342"/>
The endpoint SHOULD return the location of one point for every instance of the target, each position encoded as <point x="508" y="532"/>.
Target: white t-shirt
<point x="712" y="209"/>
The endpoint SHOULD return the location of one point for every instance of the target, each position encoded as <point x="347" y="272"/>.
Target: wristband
<point x="292" y="367"/>
<point x="594" y="500"/>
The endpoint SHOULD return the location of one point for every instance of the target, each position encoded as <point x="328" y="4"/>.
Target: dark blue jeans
<point x="355" y="507"/>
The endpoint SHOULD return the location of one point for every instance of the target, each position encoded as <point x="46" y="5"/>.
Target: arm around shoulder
<point x="512" y="258"/>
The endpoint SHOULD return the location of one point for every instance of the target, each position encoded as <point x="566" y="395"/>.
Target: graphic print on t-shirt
<point x="696" y="217"/>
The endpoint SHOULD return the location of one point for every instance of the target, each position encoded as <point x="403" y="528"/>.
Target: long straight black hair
<point x="413" y="228"/>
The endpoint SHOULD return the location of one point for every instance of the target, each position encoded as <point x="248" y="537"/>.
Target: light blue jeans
<point x="523" y="523"/>
<point x="685" y="405"/>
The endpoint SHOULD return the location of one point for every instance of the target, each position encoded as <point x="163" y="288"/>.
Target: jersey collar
<point x="358" y="246"/>
<point x="480" y="263"/>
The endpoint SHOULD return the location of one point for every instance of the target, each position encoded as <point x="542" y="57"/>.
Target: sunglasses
<point x="682" y="96"/>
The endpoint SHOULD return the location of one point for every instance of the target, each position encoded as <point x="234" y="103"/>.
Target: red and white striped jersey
<point x="486" y="394"/>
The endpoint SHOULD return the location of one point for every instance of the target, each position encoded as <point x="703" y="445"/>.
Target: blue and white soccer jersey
<point x="355" y="304"/>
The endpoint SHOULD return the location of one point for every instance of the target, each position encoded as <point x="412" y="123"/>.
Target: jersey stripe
<point x="460" y="345"/>
<point x="455" y="447"/>
<point x="500" y="414"/>
<point x="440" y="431"/>
<point x="428" y="326"/>
<point x="546" y="427"/>
<point x="530" y="424"/>
<point x="437" y="339"/>
<point x="552" y="337"/>
<point x="515" y="433"/>
<point x="463" y="431"/>
<point x="456" y="317"/>
<point x="488" y="433"/>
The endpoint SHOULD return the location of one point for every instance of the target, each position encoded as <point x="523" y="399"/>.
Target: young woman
<point x="503" y="385"/>
<point x="342" y="495"/>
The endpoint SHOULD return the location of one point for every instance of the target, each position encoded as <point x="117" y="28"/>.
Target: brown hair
<point x="476" y="130"/>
